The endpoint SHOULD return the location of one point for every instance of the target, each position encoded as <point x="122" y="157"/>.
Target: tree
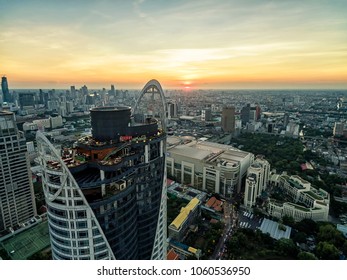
<point x="288" y="220"/>
<point x="306" y="256"/>
<point x="300" y="237"/>
<point x="327" y="251"/>
<point x="338" y="207"/>
<point x="4" y="255"/>
<point x="330" y="234"/>
<point x="344" y="248"/>
<point x="307" y="226"/>
<point x="286" y="247"/>
<point x="238" y="243"/>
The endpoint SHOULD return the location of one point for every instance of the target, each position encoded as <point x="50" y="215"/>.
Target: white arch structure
<point x="160" y="243"/>
<point x="152" y="87"/>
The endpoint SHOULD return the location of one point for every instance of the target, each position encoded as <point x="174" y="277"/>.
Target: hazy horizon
<point x="187" y="89"/>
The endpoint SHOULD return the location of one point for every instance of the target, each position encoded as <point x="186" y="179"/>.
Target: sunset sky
<point x="197" y="44"/>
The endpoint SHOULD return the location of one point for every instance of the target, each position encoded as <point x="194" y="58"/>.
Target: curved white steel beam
<point x="154" y="85"/>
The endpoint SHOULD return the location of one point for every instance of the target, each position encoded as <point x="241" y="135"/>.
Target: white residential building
<point x="306" y="201"/>
<point x="17" y="200"/>
<point x="256" y="181"/>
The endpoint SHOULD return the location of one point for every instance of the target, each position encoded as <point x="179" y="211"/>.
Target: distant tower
<point x="245" y="113"/>
<point x="5" y="91"/>
<point x="26" y="99"/>
<point x="84" y="90"/>
<point x="228" y="119"/>
<point x="41" y="97"/>
<point x="172" y="109"/>
<point x="113" y="90"/>
<point x="17" y="201"/>
<point x="73" y="91"/>
<point x="285" y="119"/>
<point x="338" y="128"/>
<point x="206" y="115"/>
<point x="257" y="112"/>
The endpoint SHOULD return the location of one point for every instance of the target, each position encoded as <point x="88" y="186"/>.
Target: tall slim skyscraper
<point x="106" y="197"/>
<point x="5" y="91"/>
<point x="228" y="119"/>
<point x="245" y="113"/>
<point x="113" y="90"/>
<point x="17" y="201"/>
<point x="72" y="94"/>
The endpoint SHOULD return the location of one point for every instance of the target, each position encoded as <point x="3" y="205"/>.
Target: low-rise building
<point x="305" y="201"/>
<point x="211" y="167"/>
<point x="180" y="225"/>
<point x="275" y="230"/>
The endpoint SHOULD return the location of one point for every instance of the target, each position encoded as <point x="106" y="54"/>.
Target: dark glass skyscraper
<point x="5" y="91"/>
<point x="26" y="99"/>
<point x="106" y="197"/>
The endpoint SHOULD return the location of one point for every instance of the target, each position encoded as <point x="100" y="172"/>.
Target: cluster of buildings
<point x="64" y="103"/>
<point x="224" y="170"/>
<point x="106" y="194"/>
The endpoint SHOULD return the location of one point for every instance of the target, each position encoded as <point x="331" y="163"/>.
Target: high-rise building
<point x="106" y="197"/>
<point x="17" y="201"/>
<point x="206" y="115"/>
<point x="172" y="109"/>
<point x="84" y="90"/>
<point x="5" y="91"/>
<point x="113" y="90"/>
<point x="41" y="97"/>
<point x="228" y="119"/>
<point x="26" y="99"/>
<point x="245" y="113"/>
<point x="257" y="112"/>
<point x="73" y="91"/>
<point x="256" y="180"/>
<point x="338" y="128"/>
<point x="285" y="119"/>
<point x="249" y="113"/>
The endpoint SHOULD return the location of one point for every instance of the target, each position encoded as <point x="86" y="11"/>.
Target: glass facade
<point x="105" y="197"/>
<point x="5" y="91"/>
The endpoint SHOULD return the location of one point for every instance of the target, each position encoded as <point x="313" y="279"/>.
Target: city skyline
<point x="184" y="44"/>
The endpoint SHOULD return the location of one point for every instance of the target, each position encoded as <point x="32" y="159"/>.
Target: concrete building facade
<point x="228" y="119"/>
<point x="256" y="181"/>
<point x="207" y="166"/>
<point x="17" y="201"/>
<point x="305" y="201"/>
